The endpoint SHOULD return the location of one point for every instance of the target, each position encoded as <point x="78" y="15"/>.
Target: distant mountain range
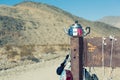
<point x="41" y="24"/>
<point x="111" y="20"/>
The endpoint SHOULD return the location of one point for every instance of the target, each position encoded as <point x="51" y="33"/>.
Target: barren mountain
<point x="111" y="20"/>
<point x="37" y="23"/>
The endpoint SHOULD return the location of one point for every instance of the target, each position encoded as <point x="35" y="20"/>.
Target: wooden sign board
<point x="93" y="52"/>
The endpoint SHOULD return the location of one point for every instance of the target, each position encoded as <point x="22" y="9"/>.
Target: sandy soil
<point x="37" y="71"/>
<point x="46" y="71"/>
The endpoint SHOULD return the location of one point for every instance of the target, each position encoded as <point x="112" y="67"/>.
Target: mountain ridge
<point x="111" y="20"/>
<point x="43" y="24"/>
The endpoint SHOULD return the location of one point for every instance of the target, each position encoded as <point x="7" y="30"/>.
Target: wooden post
<point x="77" y="58"/>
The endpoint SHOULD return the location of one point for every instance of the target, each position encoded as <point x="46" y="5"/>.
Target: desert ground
<point x="46" y="70"/>
<point x="38" y="71"/>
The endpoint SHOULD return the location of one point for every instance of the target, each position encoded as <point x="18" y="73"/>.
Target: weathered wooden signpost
<point x="89" y="52"/>
<point x="77" y="57"/>
<point x="77" y="47"/>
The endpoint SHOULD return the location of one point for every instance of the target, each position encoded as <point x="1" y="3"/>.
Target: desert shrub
<point x="49" y="49"/>
<point x="8" y="47"/>
<point x="32" y="58"/>
<point x="11" y="24"/>
<point x="27" y="50"/>
<point x="12" y="54"/>
<point x="63" y="48"/>
<point x="27" y="53"/>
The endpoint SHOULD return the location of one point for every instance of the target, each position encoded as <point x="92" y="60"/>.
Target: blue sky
<point x="88" y="9"/>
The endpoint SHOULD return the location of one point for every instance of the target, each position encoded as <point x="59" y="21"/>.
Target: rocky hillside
<point x="41" y="24"/>
<point x="111" y="20"/>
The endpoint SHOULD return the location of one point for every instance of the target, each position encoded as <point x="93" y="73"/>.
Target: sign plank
<point x="93" y="52"/>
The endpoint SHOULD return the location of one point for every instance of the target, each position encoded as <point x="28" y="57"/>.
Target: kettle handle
<point x="87" y="30"/>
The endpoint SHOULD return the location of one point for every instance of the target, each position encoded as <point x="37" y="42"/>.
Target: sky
<point x="88" y="9"/>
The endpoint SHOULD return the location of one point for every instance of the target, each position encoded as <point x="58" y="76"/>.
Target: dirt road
<point x="46" y="71"/>
<point x="38" y="71"/>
